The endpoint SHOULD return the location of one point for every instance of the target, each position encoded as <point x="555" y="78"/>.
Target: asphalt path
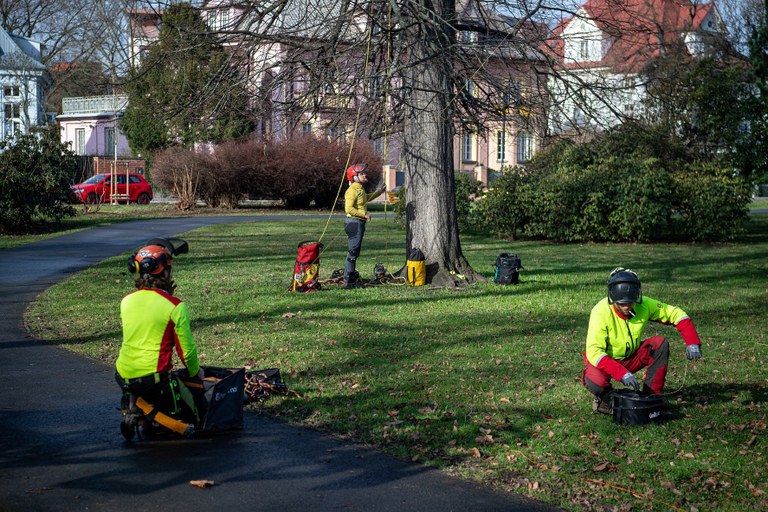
<point x="60" y="446"/>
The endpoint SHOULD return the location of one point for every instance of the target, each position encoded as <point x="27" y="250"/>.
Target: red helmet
<point x="354" y="170"/>
<point x="151" y="259"/>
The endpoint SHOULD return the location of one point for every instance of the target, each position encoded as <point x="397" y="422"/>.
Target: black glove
<point x="630" y="381"/>
<point x="693" y="352"/>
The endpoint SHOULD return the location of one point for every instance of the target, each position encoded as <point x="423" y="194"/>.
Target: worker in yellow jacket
<point x="155" y="325"/>
<point x="355" y="201"/>
<point x="614" y="347"/>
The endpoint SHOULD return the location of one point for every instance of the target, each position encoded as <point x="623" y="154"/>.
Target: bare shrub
<point x="312" y="169"/>
<point x="244" y="167"/>
<point x="179" y="171"/>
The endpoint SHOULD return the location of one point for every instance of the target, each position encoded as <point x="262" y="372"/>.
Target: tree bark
<point x="431" y="217"/>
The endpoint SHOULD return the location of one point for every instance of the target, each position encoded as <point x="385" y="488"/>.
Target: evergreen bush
<point x="627" y="185"/>
<point x="468" y="189"/>
<point x="35" y="174"/>
<point x="712" y="204"/>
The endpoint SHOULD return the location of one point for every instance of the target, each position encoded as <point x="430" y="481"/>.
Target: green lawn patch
<point x="483" y="383"/>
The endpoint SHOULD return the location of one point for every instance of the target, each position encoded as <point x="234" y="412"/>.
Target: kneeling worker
<point x="614" y="348"/>
<point x="155" y="323"/>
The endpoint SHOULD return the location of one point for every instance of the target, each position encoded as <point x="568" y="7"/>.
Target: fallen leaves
<point x="202" y="484"/>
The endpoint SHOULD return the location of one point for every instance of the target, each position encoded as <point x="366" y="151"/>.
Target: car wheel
<point x="143" y="198"/>
<point x="92" y="198"/>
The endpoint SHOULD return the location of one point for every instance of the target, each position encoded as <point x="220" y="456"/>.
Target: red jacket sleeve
<point x="688" y="332"/>
<point x="614" y="368"/>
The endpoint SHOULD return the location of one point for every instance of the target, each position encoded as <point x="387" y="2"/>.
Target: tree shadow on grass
<point x="719" y="393"/>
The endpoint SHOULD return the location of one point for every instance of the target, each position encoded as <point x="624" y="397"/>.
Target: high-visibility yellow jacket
<point x="154" y="324"/>
<point x="612" y="337"/>
<point x="355" y="200"/>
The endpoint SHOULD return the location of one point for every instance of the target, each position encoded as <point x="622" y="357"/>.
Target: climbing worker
<point x="614" y="348"/>
<point x="155" y="323"/>
<point x="355" y="201"/>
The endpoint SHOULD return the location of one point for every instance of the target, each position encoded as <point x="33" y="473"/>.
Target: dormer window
<point x="584" y="50"/>
<point x="219" y="20"/>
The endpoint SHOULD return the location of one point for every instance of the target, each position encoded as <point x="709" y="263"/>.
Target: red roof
<point x="639" y="30"/>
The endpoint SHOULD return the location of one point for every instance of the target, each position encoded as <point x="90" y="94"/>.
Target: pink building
<point x="88" y="125"/>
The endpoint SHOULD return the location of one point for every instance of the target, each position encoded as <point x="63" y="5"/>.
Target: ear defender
<point x="133" y="265"/>
<point x="148" y="264"/>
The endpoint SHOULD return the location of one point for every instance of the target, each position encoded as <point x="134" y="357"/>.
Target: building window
<point x="579" y="118"/>
<point x="378" y="147"/>
<point x="306" y="129"/>
<point x="12" y="128"/>
<point x="334" y="132"/>
<point x="524" y="147"/>
<point x="219" y="20"/>
<point x="12" y="111"/>
<point x="501" y="146"/>
<point x="80" y="141"/>
<point x="469" y="88"/>
<point x="468" y="147"/>
<point x="373" y="87"/>
<point x="584" y="50"/>
<point x="109" y="141"/>
<point x="12" y="91"/>
<point x="467" y="36"/>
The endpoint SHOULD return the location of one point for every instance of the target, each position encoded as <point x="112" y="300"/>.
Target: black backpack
<point x="507" y="269"/>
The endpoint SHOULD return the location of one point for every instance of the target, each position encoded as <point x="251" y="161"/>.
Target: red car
<point x="99" y="189"/>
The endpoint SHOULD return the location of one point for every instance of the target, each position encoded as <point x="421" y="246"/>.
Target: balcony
<point x="88" y="105"/>
<point x="329" y="101"/>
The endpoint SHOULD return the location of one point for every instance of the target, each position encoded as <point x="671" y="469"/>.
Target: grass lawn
<point x="759" y="203"/>
<point x="483" y="383"/>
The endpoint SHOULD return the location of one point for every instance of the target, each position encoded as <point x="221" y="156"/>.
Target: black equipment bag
<point x="632" y="408"/>
<point x="219" y="397"/>
<point x="508" y="267"/>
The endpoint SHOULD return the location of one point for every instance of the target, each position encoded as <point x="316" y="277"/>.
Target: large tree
<point x="431" y="217"/>
<point x="186" y="91"/>
<point x="418" y="79"/>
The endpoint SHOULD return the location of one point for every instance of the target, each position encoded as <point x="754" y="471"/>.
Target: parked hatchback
<point x="99" y="188"/>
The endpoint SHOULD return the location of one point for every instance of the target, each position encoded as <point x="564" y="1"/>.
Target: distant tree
<point x="185" y="91"/>
<point x="716" y="109"/>
<point x="71" y="79"/>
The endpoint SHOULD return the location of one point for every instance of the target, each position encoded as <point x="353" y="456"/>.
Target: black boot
<point x="602" y="404"/>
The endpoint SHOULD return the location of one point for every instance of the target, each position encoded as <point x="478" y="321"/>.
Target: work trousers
<point x="652" y="353"/>
<point x="165" y="391"/>
<point x="355" y="229"/>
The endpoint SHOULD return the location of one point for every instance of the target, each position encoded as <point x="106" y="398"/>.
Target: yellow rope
<point x="354" y="136"/>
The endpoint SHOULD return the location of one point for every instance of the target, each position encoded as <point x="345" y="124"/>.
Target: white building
<point x="603" y="50"/>
<point x="24" y="82"/>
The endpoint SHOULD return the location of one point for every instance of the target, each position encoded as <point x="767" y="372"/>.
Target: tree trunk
<point x="431" y="218"/>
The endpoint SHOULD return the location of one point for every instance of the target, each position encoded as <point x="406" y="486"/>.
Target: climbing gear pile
<point x="261" y="384"/>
